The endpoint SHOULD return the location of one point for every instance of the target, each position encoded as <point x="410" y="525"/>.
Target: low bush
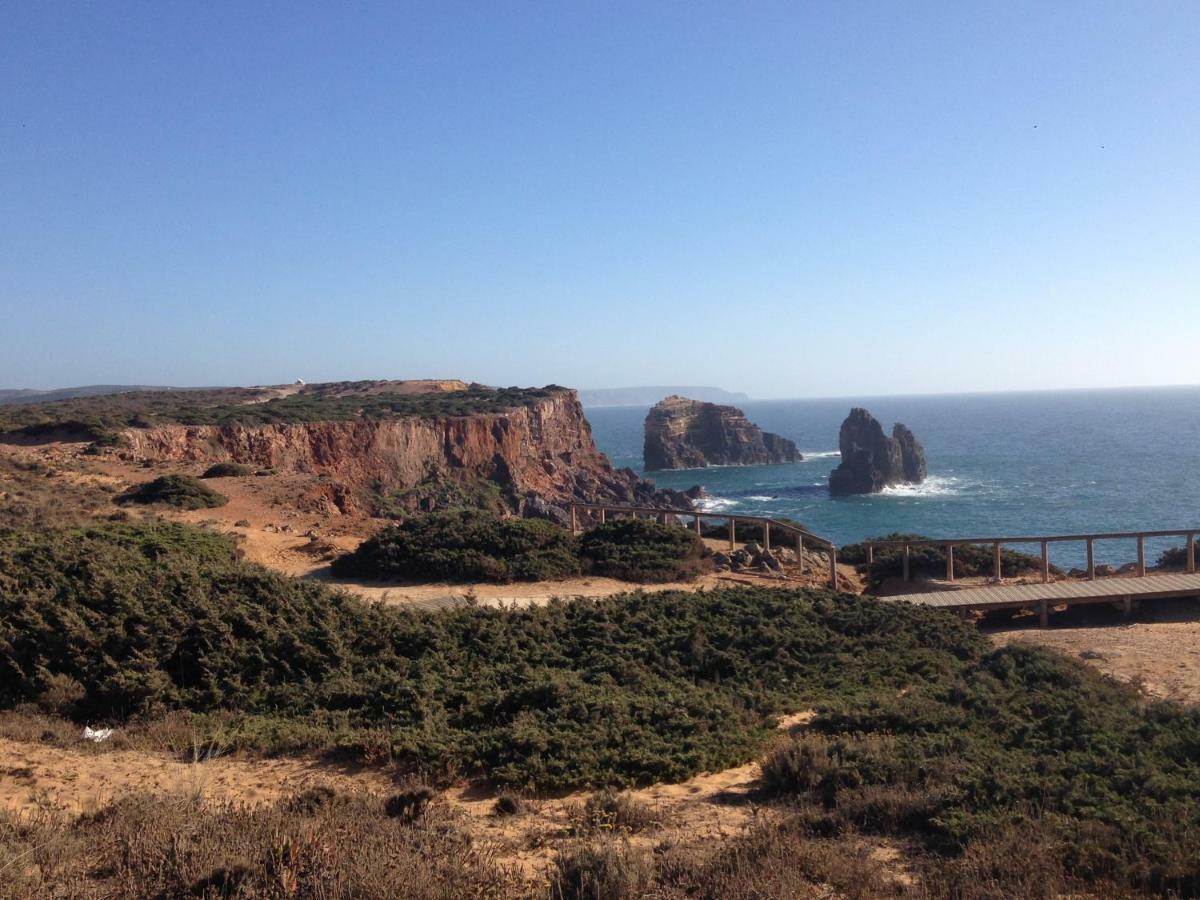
<point x="227" y="470"/>
<point x="750" y="531"/>
<point x="970" y="560"/>
<point x="313" y="845"/>
<point x="643" y="551"/>
<point x="1175" y="558"/>
<point x="924" y="734"/>
<point x="465" y="546"/>
<point x="125" y="622"/>
<point x="179" y="491"/>
<point x="610" y="810"/>
<point x="1025" y="739"/>
<point x="605" y="870"/>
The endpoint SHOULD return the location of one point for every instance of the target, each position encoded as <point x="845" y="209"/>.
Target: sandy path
<point x="1162" y="655"/>
<point x="77" y="781"/>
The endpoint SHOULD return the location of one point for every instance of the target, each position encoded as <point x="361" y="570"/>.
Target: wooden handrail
<point x="767" y="523"/>
<point x="1052" y="538"/>
<point x="1044" y="540"/>
<point x="658" y="510"/>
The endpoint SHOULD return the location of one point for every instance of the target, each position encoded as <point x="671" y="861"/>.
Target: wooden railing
<point x="1189" y="534"/>
<point x="801" y="536"/>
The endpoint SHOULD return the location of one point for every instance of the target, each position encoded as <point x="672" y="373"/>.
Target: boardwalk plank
<point x="1115" y="588"/>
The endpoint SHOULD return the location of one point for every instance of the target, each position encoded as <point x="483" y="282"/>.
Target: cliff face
<point x="538" y="456"/>
<point x="871" y="460"/>
<point x="687" y="434"/>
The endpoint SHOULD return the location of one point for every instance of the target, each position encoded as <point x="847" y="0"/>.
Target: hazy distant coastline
<point x="648" y="396"/>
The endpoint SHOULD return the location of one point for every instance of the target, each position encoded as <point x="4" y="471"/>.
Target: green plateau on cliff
<point x="99" y="416"/>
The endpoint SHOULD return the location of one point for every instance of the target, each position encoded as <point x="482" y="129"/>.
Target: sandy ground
<point x="1158" y="649"/>
<point x="32" y="775"/>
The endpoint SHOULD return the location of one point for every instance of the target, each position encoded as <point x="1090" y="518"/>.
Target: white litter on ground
<point x="97" y="734"/>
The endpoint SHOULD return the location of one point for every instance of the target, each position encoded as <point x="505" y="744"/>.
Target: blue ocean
<point x="999" y="464"/>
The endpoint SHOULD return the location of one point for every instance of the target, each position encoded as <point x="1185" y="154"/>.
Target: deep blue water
<point x="999" y="464"/>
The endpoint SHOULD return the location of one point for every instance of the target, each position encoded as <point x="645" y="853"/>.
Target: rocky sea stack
<point x="689" y="434"/>
<point x="871" y="460"/>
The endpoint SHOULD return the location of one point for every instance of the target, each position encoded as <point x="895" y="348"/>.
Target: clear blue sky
<point x="787" y="199"/>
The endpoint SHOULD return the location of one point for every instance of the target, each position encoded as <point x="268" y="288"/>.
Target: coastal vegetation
<point x="752" y="531"/>
<point x="179" y="491"/>
<point x="227" y="470"/>
<point x="923" y="734"/>
<point x="643" y="551"/>
<point x="472" y="545"/>
<point x="465" y="545"/>
<point x="99" y="417"/>
<point x="970" y="560"/>
<point x="1174" y="558"/>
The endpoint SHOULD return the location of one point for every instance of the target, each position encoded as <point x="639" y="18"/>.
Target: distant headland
<point x="648" y="396"/>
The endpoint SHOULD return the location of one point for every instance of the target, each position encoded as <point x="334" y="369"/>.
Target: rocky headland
<point x="374" y="447"/>
<point x="871" y="460"/>
<point x="690" y="434"/>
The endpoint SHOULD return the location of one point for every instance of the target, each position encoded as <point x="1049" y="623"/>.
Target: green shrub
<point x="102" y="417"/>
<point x="147" y="618"/>
<point x="464" y="546"/>
<point x="227" y="470"/>
<point x="751" y="531"/>
<point x="644" y="551"/>
<point x="1174" y="558"/>
<point x="970" y="560"/>
<point x="179" y="491"/>
<point x="1025" y="738"/>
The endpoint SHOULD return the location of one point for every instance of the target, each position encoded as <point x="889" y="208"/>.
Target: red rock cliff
<point x="539" y="455"/>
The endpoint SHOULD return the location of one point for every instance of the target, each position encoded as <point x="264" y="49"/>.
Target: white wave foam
<point x="715" y="504"/>
<point x="933" y="486"/>
<point x="762" y="499"/>
<point x="819" y="454"/>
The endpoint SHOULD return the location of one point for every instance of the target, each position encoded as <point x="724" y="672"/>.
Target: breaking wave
<point x="714" y="504"/>
<point x="819" y="454"/>
<point x="933" y="486"/>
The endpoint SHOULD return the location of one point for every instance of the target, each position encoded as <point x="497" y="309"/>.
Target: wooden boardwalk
<point x="1044" y="596"/>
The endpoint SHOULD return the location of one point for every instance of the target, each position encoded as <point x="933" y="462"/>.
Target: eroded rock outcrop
<point x="533" y="459"/>
<point x="871" y="460"/>
<point x="689" y="434"/>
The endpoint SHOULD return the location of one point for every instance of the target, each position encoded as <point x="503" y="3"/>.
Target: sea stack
<point x="689" y="434"/>
<point x="871" y="460"/>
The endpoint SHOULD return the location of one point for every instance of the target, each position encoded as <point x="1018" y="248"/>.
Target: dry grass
<point x="318" y="845"/>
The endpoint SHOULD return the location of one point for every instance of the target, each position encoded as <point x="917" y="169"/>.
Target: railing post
<point x="833" y="566"/>
<point x="1045" y="561"/>
<point x="732" y="533"/>
<point x="1127" y="607"/>
<point x="766" y="536"/>
<point x="603" y="515"/>
<point x="906" y="573"/>
<point x="949" y="562"/>
<point x="697" y="523"/>
<point x="574" y="519"/>
<point x="999" y="573"/>
<point x="800" y="551"/>
<point x="1043" y="613"/>
<point x="1091" y="559"/>
<point x="1191" y="554"/>
<point x="1141" y="568"/>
